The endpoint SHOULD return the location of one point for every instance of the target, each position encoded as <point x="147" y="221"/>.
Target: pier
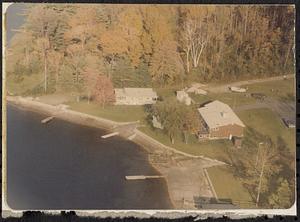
<point x="48" y="119"/>
<point x="143" y="177"/>
<point x="132" y="136"/>
<point x="110" y="135"/>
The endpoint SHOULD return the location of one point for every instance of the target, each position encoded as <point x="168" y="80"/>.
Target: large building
<point x="219" y="121"/>
<point x="135" y="96"/>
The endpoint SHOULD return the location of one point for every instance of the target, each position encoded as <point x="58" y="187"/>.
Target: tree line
<point x="67" y="46"/>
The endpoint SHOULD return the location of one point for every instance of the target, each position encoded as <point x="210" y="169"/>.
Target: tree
<point x="282" y="197"/>
<point x="166" y="65"/>
<point x="41" y="22"/>
<point x="170" y="117"/>
<point x="131" y="28"/>
<point x="113" y="45"/>
<point x="92" y="69"/>
<point x="55" y="62"/>
<point x="220" y="43"/>
<point x="104" y="91"/>
<point x="267" y="157"/>
<point x="83" y="27"/>
<point x="190" y="121"/>
<point x="257" y="164"/>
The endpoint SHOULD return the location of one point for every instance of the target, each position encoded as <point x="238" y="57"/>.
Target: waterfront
<point x="62" y="165"/>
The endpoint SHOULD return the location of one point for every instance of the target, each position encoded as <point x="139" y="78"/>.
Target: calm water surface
<point x="61" y="165"/>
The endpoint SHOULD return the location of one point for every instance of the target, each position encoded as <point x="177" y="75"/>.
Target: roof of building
<point x="217" y="114"/>
<point x="135" y="92"/>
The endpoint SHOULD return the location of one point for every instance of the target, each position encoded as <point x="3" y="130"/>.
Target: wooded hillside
<point x="66" y="47"/>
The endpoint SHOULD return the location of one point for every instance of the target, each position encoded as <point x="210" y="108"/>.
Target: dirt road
<point x="225" y="87"/>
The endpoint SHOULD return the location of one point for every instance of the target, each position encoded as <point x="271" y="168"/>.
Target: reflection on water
<point x="61" y="165"/>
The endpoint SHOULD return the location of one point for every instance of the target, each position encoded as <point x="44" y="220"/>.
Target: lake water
<point x="61" y="165"/>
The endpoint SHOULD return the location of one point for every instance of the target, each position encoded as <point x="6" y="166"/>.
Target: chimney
<point x="223" y="114"/>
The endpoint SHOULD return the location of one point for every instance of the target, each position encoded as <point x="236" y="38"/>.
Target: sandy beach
<point x="186" y="176"/>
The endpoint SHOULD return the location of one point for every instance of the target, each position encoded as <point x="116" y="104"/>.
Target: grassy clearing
<point x="268" y="123"/>
<point x="116" y="113"/>
<point x="232" y="99"/>
<point x="229" y="187"/>
<point x="279" y="89"/>
<point x="216" y="149"/>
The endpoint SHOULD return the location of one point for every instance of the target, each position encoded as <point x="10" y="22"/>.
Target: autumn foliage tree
<point x="166" y="65"/>
<point x="209" y="43"/>
<point x="103" y="91"/>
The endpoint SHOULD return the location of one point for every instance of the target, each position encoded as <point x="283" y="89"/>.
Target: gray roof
<point x="217" y="114"/>
<point x="136" y="92"/>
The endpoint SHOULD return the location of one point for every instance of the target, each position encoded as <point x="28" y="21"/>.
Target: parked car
<point x="237" y="89"/>
<point x="258" y="96"/>
<point x="290" y="123"/>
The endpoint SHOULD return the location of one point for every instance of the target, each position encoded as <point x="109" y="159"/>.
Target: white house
<point x="220" y="121"/>
<point x="135" y="96"/>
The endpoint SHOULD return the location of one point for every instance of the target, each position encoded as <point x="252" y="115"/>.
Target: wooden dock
<point x="143" y="177"/>
<point x="110" y="135"/>
<point x="48" y="119"/>
<point x="132" y="136"/>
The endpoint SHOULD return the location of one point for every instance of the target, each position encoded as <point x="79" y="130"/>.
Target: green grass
<point x="232" y="99"/>
<point x="279" y="89"/>
<point x="229" y="187"/>
<point x="268" y="123"/>
<point x="265" y="122"/>
<point x="116" y="113"/>
<point x="216" y="149"/>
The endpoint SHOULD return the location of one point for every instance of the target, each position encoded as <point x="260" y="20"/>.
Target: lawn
<point x="118" y="113"/>
<point x="268" y="123"/>
<point x="279" y="89"/>
<point x="216" y="149"/>
<point x="232" y="99"/>
<point x="229" y="187"/>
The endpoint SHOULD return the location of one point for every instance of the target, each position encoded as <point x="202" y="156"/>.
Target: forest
<point x="85" y="48"/>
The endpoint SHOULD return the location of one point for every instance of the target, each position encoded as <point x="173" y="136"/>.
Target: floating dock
<point x="48" y="119"/>
<point x="143" y="177"/>
<point x="110" y="135"/>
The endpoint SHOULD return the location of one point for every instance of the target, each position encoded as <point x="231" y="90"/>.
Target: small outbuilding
<point x="156" y="123"/>
<point x="182" y="96"/>
<point x="237" y="142"/>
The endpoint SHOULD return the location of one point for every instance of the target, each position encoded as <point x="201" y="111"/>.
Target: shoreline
<point x="164" y="159"/>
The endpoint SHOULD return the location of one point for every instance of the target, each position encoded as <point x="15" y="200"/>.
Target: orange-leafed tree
<point x="104" y="90"/>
